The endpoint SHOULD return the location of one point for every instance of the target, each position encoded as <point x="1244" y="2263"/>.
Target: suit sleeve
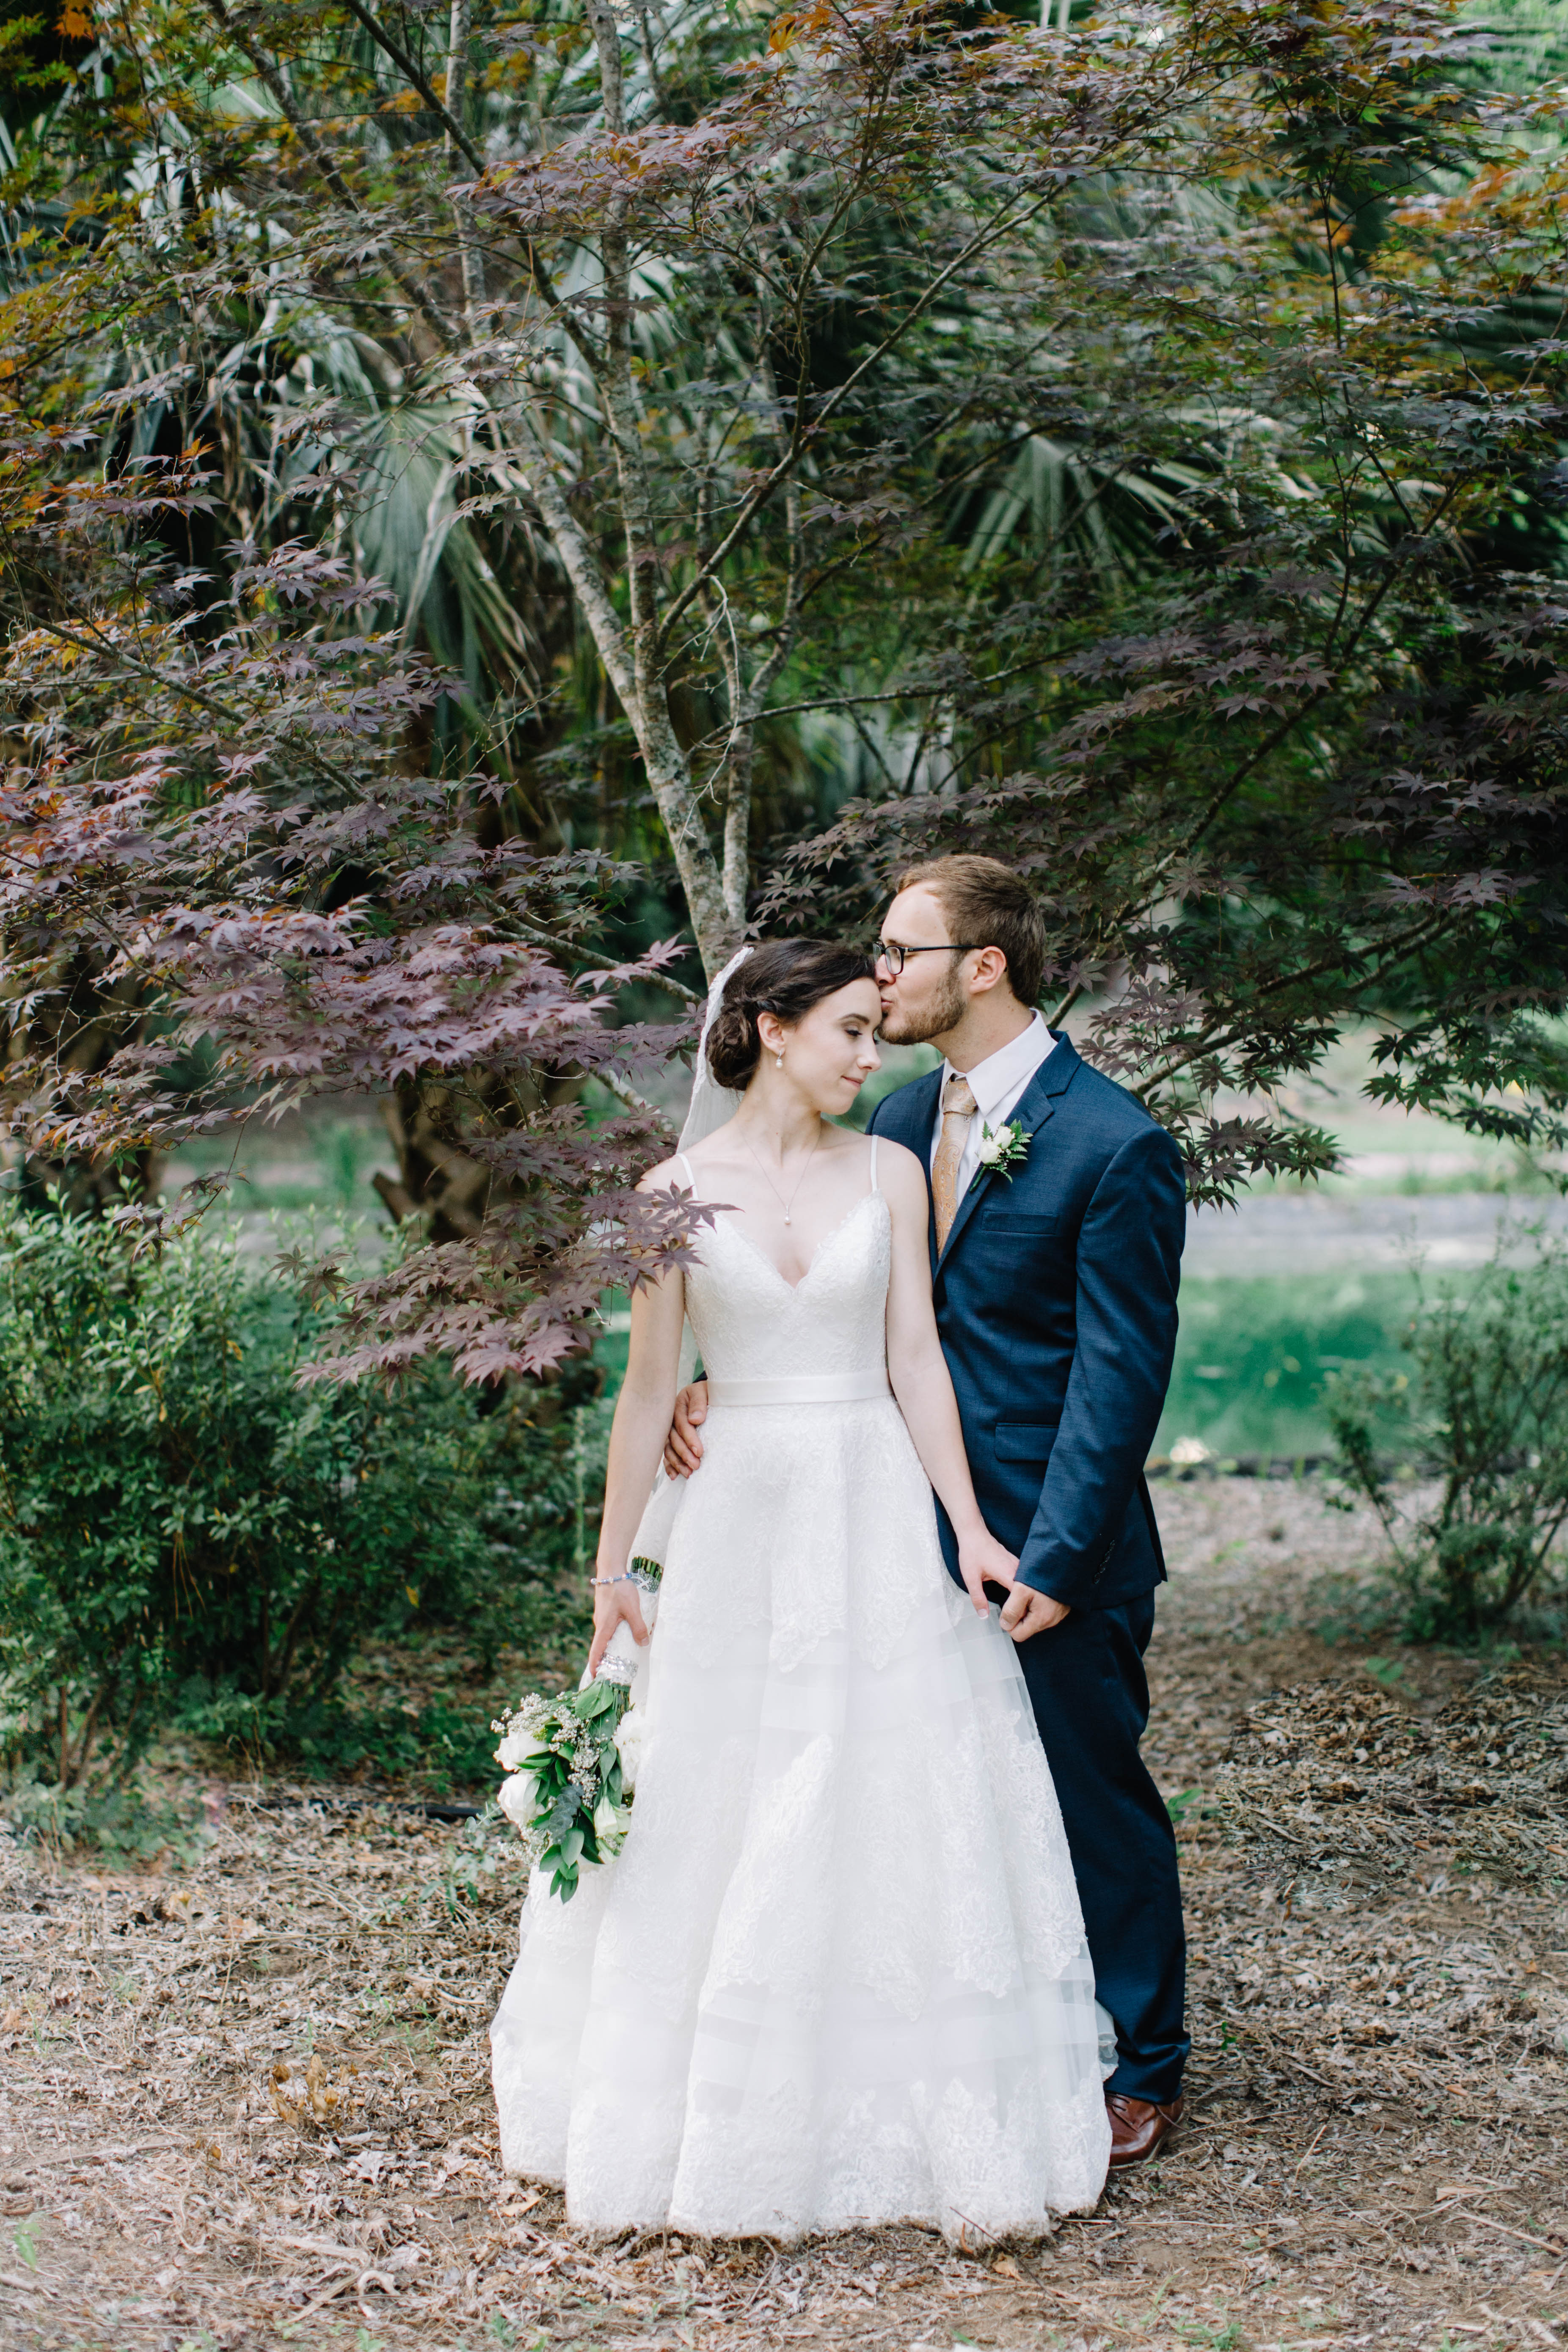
<point x="1129" y="1259"/>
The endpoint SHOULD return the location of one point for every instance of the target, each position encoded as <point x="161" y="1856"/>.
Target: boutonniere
<point x="1003" y="1152"/>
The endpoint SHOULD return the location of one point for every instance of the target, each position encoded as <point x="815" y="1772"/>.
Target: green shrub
<point x="1483" y="1411"/>
<point x="186" y="1532"/>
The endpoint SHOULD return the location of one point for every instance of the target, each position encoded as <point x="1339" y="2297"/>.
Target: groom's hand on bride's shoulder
<point x="683" y="1447"/>
<point x="1028" y="1612"/>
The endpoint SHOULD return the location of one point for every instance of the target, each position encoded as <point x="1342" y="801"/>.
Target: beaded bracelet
<point x="628" y="1578"/>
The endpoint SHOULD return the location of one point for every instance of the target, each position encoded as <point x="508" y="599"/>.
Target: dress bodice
<point x="751" y="1324"/>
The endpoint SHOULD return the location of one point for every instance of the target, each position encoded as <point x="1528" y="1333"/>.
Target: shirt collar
<point x="1005" y="1073"/>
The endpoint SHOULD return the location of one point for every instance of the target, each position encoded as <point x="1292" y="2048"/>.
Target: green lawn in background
<point x="1250" y="1359"/>
<point x="1252" y="1354"/>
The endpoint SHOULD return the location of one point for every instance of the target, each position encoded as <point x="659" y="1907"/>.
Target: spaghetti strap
<point x="687" y="1165"/>
<point x="873" y="1163"/>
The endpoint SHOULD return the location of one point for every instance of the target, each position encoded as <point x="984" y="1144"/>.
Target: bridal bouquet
<point x="571" y="1763"/>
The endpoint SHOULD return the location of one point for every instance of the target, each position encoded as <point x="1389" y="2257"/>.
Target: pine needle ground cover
<point x="246" y="2105"/>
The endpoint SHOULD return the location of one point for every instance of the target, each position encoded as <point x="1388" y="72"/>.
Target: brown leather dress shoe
<point x="1138" y="2127"/>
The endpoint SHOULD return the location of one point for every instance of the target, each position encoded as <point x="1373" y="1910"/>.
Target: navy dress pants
<point x="1091" y="1702"/>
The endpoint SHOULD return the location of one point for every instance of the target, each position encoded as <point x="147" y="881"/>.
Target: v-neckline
<point x="794" y="1288"/>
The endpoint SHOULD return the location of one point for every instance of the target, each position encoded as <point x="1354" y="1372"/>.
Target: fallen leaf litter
<point x="247" y="2106"/>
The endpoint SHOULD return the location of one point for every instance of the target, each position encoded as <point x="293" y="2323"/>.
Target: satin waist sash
<point x="806" y="1388"/>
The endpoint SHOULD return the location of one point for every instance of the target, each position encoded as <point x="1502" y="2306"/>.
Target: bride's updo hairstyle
<point x="785" y="978"/>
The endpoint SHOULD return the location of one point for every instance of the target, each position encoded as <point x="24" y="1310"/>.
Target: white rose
<point x="519" y="1800"/>
<point x="609" y="1823"/>
<point x="991" y="1148"/>
<point x="519" y="1747"/>
<point x="629" y="1737"/>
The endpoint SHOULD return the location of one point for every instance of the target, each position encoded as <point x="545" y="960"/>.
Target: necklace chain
<point x="785" y="1205"/>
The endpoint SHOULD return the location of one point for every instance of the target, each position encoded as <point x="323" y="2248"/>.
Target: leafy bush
<point x="130" y="1824"/>
<point x="1484" y="1411"/>
<point x="185" y="1531"/>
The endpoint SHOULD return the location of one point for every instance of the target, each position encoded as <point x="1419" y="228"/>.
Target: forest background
<point x="496" y="501"/>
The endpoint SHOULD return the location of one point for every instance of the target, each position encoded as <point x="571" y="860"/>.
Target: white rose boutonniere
<point x="1004" y="1149"/>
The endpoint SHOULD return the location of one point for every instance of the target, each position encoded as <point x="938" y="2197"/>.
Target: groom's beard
<point x="905" y="1026"/>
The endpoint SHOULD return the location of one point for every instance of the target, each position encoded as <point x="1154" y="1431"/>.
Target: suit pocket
<point x="1005" y="1223"/>
<point x="1025" y="1441"/>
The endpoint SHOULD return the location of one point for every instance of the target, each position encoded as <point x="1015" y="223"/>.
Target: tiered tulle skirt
<point x="837" y="1976"/>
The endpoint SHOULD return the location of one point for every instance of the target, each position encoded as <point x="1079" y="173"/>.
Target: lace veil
<point x="711" y="1104"/>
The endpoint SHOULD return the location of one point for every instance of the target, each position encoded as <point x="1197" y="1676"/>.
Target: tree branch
<point x="764" y="490"/>
<point x="411" y="73"/>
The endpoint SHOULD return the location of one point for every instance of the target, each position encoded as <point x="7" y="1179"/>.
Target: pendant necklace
<point x="785" y="1205"/>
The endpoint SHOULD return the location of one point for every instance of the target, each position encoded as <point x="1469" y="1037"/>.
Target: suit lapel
<point x="1035" y="1107"/>
<point x="909" y="1116"/>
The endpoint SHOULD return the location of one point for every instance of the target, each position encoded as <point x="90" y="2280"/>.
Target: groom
<point x="1054" y="1274"/>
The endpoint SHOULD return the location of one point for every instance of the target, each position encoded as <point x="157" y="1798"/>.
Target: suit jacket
<point x="1055" y="1299"/>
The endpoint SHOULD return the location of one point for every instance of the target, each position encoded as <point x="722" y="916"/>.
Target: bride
<point x="837" y="1975"/>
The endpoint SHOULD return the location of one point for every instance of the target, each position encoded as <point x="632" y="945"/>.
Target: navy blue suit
<point x="1055" y="1299"/>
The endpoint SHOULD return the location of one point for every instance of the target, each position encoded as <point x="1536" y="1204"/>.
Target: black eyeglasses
<point x="895" y="957"/>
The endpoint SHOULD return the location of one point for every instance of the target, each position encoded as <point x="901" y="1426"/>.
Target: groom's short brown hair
<point x="986" y="904"/>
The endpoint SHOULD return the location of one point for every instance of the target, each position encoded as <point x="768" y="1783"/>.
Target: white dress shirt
<point x="996" y="1084"/>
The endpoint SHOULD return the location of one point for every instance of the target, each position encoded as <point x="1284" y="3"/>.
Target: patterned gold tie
<point x="958" y="1108"/>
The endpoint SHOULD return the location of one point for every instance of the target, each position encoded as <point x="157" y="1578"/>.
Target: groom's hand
<point x="683" y="1447"/>
<point x="1028" y="1612"/>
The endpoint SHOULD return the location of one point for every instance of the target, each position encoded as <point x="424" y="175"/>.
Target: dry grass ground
<point x="246" y="2105"/>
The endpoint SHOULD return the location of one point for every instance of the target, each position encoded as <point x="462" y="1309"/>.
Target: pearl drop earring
<point x="778" y="1061"/>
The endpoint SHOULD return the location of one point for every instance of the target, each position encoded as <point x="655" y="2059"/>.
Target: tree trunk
<point x="472" y="260"/>
<point x="738" y="827"/>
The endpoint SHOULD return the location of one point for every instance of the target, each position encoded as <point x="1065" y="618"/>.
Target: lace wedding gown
<point x="837" y="1975"/>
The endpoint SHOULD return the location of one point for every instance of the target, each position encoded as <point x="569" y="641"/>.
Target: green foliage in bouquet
<point x="566" y="1790"/>
<point x="1484" y="1413"/>
<point x="572" y="1760"/>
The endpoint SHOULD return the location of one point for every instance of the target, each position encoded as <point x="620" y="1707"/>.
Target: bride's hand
<point x="615" y="1606"/>
<point x="982" y="1560"/>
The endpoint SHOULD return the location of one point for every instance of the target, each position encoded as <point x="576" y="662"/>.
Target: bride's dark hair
<point x="785" y="978"/>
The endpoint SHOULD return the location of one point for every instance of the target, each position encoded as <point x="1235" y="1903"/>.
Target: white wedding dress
<point x="837" y="1975"/>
